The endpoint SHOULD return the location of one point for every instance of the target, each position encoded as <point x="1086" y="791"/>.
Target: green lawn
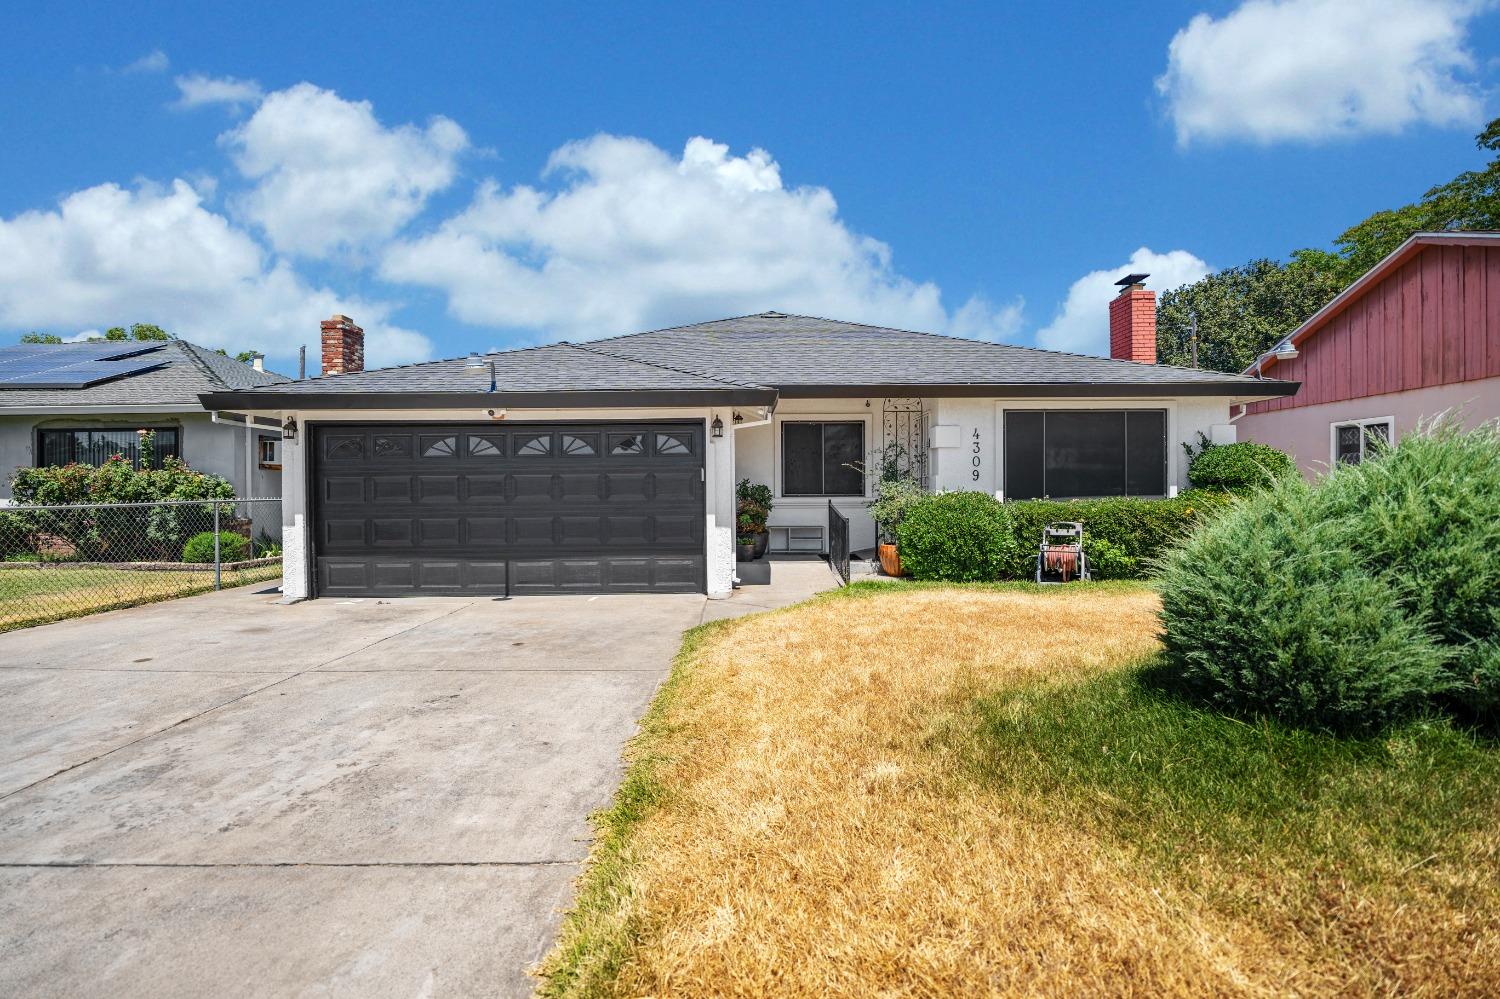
<point x="38" y="596"/>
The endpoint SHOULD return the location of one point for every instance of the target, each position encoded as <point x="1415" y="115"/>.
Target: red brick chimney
<point x="1132" y="321"/>
<point x="343" y="346"/>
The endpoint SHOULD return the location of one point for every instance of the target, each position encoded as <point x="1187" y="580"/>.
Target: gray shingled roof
<point x="189" y="372"/>
<point x="560" y="367"/>
<point x="789" y="351"/>
<point x="759" y="356"/>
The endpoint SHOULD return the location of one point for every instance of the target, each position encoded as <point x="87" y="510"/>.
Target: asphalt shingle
<point x="190" y="371"/>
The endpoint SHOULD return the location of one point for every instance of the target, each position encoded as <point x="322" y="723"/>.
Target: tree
<point x="138" y="331"/>
<point x="1242" y="312"/>
<point x="244" y="356"/>
<point x="35" y="337"/>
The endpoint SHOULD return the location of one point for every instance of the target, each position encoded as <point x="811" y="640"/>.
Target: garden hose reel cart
<point x="1059" y="557"/>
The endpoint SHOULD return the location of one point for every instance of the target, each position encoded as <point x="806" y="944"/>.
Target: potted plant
<point x="892" y="498"/>
<point x="753" y="509"/>
<point x="744" y="549"/>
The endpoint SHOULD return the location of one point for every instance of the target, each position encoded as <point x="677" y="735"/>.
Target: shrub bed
<point x="1123" y="537"/>
<point x="962" y="537"/>
<point x="1238" y="467"/>
<point x="1369" y="597"/>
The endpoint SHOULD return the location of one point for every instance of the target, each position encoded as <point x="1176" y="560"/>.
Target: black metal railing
<point x="838" y="542"/>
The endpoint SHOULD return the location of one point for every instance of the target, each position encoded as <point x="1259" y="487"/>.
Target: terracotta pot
<point x="890" y="560"/>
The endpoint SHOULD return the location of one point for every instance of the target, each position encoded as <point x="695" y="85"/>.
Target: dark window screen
<point x="1145" y="453"/>
<point x="1348" y="444"/>
<point x="1084" y="454"/>
<point x="1023" y="455"/>
<point x="822" y="459"/>
<point x="95" y="447"/>
<point x="1079" y="453"/>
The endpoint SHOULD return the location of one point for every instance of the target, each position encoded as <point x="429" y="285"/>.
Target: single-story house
<point x="611" y="465"/>
<point x="83" y="402"/>
<point x="1417" y="336"/>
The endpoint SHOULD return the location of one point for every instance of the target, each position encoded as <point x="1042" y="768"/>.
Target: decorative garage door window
<point x="579" y="444"/>
<point x="486" y="447"/>
<point x="674" y="444"/>
<point x="439" y="447"/>
<point x="393" y="446"/>
<point x="626" y="444"/>
<point x="533" y="445"/>
<point x="339" y="448"/>
<point x="1070" y="454"/>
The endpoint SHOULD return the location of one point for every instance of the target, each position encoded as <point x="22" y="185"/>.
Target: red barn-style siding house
<point x="1416" y="336"/>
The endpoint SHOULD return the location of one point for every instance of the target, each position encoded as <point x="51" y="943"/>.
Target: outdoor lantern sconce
<point x="716" y="429"/>
<point x="289" y="429"/>
<point x="477" y="363"/>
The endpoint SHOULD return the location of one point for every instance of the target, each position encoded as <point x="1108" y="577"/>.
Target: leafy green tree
<point x="1469" y="201"/>
<point x="35" y="337"/>
<point x="138" y="331"/>
<point x="1242" y="312"/>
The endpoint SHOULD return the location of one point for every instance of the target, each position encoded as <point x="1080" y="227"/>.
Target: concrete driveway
<point x="226" y="796"/>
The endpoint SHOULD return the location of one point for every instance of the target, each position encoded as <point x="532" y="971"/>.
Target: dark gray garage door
<point x="500" y="507"/>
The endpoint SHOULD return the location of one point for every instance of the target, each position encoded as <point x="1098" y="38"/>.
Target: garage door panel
<point x="437" y="488"/>
<point x="560" y="508"/>
<point x="486" y="532"/>
<point x="532" y="532"/>
<point x="531" y="487"/>
<point x="390" y="489"/>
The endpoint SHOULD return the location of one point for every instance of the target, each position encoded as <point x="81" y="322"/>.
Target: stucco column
<point x="719" y="505"/>
<point x="296" y="583"/>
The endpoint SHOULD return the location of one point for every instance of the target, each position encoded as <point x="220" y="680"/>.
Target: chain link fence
<point x="66" y="561"/>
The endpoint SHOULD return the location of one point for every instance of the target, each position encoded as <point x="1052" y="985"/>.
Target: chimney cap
<point x="1131" y="280"/>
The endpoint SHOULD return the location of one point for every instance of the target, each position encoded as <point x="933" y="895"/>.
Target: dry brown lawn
<point x="803" y="817"/>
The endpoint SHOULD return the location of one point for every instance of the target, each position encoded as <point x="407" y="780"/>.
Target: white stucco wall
<point x="1305" y="432"/>
<point x="977" y="462"/>
<point x="216" y="448"/>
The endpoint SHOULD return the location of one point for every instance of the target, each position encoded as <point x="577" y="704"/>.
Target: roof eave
<point x="1248" y="388"/>
<point x="270" y="401"/>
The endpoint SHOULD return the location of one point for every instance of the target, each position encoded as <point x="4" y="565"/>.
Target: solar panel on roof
<point x="79" y="374"/>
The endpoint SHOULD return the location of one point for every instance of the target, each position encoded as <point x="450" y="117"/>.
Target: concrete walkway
<point x="223" y="795"/>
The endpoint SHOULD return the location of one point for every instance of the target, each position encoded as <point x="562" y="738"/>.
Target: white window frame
<point x="1333" y="436"/>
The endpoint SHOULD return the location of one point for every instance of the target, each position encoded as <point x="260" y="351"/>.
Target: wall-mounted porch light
<point x="716" y="428"/>
<point x="289" y="429"/>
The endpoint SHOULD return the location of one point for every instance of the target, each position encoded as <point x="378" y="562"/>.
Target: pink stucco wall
<point x="1303" y="431"/>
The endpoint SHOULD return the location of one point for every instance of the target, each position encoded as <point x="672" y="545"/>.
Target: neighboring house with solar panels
<point x="82" y="402"/>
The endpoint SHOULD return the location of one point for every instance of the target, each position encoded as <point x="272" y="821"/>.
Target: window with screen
<point x="1066" y="453"/>
<point x="1360" y="440"/>
<point x="822" y="458"/>
<point x="96" y="446"/>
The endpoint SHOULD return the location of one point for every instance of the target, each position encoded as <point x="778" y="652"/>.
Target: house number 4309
<point x="974" y="472"/>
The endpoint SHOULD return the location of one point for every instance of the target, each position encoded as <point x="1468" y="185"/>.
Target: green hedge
<point x="1238" y="467"/>
<point x="962" y="537"/>
<point x="1123" y="537"/>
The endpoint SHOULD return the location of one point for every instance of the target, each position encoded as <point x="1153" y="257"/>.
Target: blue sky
<point x="237" y="173"/>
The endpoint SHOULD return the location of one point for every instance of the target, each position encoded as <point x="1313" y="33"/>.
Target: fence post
<point x="218" y="578"/>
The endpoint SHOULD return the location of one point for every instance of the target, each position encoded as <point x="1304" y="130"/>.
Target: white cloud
<point x="155" y="61"/>
<point x="1308" y="70"/>
<point x="1082" y="322"/>
<point x="632" y="237"/>
<point x="328" y="175"/>
<point x="198" y="90"/>
<point x="112" y="256"/>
